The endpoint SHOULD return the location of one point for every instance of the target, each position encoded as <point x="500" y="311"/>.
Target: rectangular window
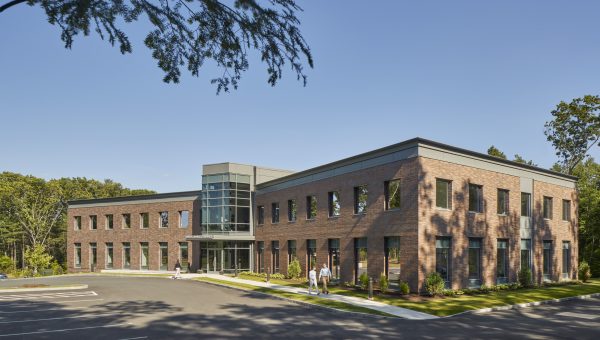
<point x="109" y="255"/>
<point x="526" y="254"/>
<point x="144" y="255"/>
<point x="360" y="257"/>
<point x="547" y="208"/>
<point x="144" y="220"/>
<point x="163" y="255"/>
<point x="443" y="193"/>
<point x="183" y="256"/>
<point x="311" y="207"/>
<point x="392" y="260"/>
<point x="502" y="261"/>
<point x="392" y="194"/>
<point x="291" y="250"/>
<point x="525" y="204"/>
<point x="274" y="212"/>
<point x="292" y="211"/>
<point x="503" y="205"/>
<point x="126" y="221"/>
<point x="566" y="210"/>
<point x="334" y="257"/>
<point x="77" y="255"/>
<point x="547" y="260"/>
<point x="475" y="262"/>
<point x="360" y="199"/>
<point x="475" y="198"/>
<point x="77" y="222"/>
<point x="163" y="219"/>
<point x="126" y="255"/>
<point x="275" y="256"/>
<point x="333" y="203"/>
<point x="261" y="214"/>
<point x="443" y="258"/>
<point x="108" y="219"/>
<point x="311" y="254"/>
<point x="260" y="249"/>
<point x="566" y="260"/>
<point x="93" y="222"/>
<point x="93" y="256"/>
<point x="184" y="218"/>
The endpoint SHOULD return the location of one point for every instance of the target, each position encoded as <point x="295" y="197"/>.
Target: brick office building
<point x="405" y="210"/>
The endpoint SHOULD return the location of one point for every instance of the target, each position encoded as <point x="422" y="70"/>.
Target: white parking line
<point x="69" y="301"/>
<point x="60" y="318"/>
<point x="46" y="295"/>
<point x="65" y="330"/>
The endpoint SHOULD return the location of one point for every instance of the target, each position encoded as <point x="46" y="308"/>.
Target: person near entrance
<point x="177" y="270"/>
<point x="324" y="276"/>
<point x="312" y="281"/>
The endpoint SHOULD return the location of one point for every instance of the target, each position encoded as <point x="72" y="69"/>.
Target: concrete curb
<point x="524" y="305"/>
<point x="304" y="303"/>
<point x="41" y="289"/>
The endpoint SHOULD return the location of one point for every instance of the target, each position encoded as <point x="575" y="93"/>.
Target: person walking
<point x="177" y="270"/>
<point x="324" y="276"/>
<point x="312" y="281"/>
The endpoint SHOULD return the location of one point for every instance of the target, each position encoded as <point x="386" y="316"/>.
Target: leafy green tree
<point x="574" y="129"/>
<point x="37" y="258"/>
<point x="294" y="269"/>
<point x="6" y="264"/>
<point x="190" y="33"/>
<point x="493" y="151"/>
<point x="522" y="160"/>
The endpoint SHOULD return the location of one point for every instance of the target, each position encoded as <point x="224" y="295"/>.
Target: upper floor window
<point x="144" y="221"/>
<point x="126" y="221"/>
<point x="360" y="199"/>
<point x="547" y="207"/>
<point x="443" y="193"/>
<point x="566" y="210"/>
<point x="163" y="219"/>
<point x="109" y="221"/>
<point x="274" y="212"/>
<point x="77" y="222"/>
<point x="503" y="206"/>
<point x="184" y="217"/>
<point x="292" y="211"/>
<point x="311" y="207"/>
<point x="392" y="194"/>
<point x="333" y="203"/>
<point x="525" y="204"/>
<point x="93" y="222"/>
<point x="261" y="214"/>
<point x="475" y="198"/>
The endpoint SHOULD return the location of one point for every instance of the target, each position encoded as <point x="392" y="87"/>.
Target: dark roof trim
<point x="135" y="198"/>
<point x="404" y="145"/>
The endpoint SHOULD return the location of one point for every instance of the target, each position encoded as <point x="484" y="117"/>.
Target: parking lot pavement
<point x="158" y="308"/>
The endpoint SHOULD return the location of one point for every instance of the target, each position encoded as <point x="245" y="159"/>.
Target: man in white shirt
<point x="312" y="280"/>
<point x="324" y="276"/>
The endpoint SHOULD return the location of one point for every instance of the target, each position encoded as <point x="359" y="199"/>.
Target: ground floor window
<point x="109" y="255"/>
<point x="183" y="256"/>
<point x="77" y="255"/>
<point x="547" y="260"/>
<point x="443" y="258"/>
<point x="502" y="262"/>
<point x="163" y="255"/>
<point x="526" y="254"/>
<point x="360" y="257"/>
<point x="311" y="254"/>
<point x="291" y="250"/>
<point x="475" y="262"/>
<point x="334" y="258"/>
<point x="126" y="255"/>
<point x="566" y="260"/>
<point x="392" y="260"/>
<point x="261" y="256"/>
<point x="275" y="256"/>
<point x="228" y="256"/>
<point x="93" y="256"/>
<point x="144" y="255"/>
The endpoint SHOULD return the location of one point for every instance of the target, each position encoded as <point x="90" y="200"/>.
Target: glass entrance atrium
<point x="226" y="204"/>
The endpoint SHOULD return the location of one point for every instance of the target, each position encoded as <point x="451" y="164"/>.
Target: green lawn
<point x="297" y="297"/>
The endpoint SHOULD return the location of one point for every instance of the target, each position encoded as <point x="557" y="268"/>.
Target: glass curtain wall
<point x="226" y="204"/>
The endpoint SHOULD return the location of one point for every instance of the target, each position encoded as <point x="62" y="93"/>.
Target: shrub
<point x="514" y="285"/>
<point x="525" y="277"/>
<point x="434" y="284"/>
<point x="383" y="283"/>
<point x="404" y="288"/>
<point x="276" y="276"/>
<point x="6" y="264"/>
<point x="485" y="289"/>
<point x="585" y="272"/>
<point x="57" y="269"/>
<point x="363" y="279"/>
<point x="294" y="269"/>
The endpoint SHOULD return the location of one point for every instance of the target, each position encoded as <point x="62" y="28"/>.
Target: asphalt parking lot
<point x="158" y="308"/>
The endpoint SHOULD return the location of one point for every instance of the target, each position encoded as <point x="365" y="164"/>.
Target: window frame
<point x="292" y="210"/>
<point x="387" y="197"/>
<point x="144" y="220"/>
<point x="109" y="218"/>
<point x="93" y="222"/>
<point x="479" y="209"/>
<point x="123" y="224"/>
<point x="76" y="222"/>
<point x="475" y="280"/>
<point x="76" y="256"/>
<point x="505" y="260"/>
<point x="275" y="213"/>
<point x="330" y="204"/>
<point x="260" y="214"/>
<point x="181" y="219"/>
<point x="528" y="206"/>
<point x="161" y="219"/>
<point x="566" y="217"/>
<point x="547" y="210"/>
<point x="360" y="208"/>
<point x="448" y="194"/>
<point x="504" y="208"/>
<point x="309" y="207"/>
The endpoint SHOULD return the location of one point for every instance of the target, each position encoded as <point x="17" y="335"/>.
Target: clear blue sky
<point x="466" y="73"/>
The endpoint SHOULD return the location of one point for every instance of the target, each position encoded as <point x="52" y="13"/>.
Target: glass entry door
<point x="214" y="260"/>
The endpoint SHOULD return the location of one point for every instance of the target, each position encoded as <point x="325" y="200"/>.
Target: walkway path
<point x="378" y="306"/>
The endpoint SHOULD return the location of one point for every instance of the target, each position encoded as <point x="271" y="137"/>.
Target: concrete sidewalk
<point x="164" y="273"/>
<point x="378" y="306"/>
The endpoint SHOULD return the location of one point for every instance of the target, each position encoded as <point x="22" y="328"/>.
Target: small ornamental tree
<point x="585" y="272"/>
<point x="525" y="277"/>
<point x="294" y="269"/>
<point x="37" y="258"/>
<point x="363" y="280"/>
<point x="434" y="284"/>
<point x="383" y="283"/>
